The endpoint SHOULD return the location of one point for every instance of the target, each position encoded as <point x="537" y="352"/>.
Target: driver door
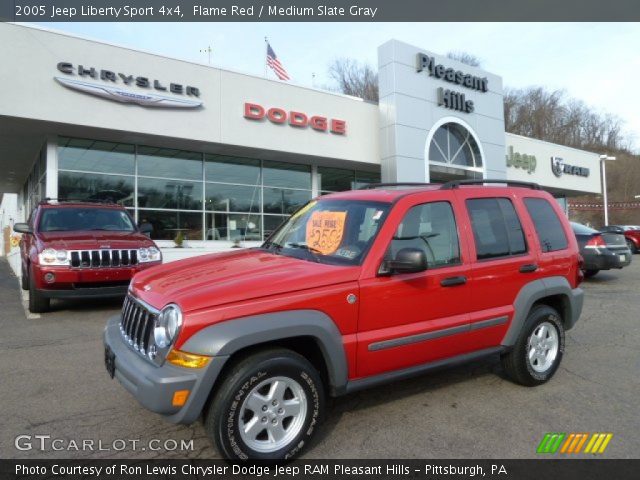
<point x="408" y="319"/>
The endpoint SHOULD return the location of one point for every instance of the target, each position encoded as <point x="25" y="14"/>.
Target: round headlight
<point x="49" y="255"/>
<point x="144" y="253"/>
<point x="167" y="325"/>
<point x="61" y="255"/>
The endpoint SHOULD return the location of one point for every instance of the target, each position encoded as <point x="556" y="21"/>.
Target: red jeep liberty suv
<point x="355" y="289"/>
<point x="81" y="249"/>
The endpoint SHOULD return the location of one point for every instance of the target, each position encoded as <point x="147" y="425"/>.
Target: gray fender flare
<point x="227" y="337"/>
<point x="536" y="290"/>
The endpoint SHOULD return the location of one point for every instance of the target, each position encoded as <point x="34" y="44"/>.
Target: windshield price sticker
<point x="325" y="231"/>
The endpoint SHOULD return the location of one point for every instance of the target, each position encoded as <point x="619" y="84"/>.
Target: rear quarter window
<point x="547" y="223"/>
<point x="497" y="231"/>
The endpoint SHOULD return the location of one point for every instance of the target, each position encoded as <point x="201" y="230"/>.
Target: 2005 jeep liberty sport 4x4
<point x="355" y="289"/>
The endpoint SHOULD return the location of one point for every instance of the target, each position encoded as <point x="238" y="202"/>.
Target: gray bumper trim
<point x="154" y="386"/>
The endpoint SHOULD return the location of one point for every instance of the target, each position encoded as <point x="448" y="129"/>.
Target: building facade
<point x="222" y="157"/>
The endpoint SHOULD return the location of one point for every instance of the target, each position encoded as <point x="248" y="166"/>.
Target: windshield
<point x="74" y="219"/>
<point x="337" y="232"/>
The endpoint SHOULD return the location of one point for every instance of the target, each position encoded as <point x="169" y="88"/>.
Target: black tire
<point x="590" y="273"/>
<point x="24" y="280"/>
<point x="516" y="362"/>
<point x="223" y="418"/>
<point x="632" y="246"/>
<point x="37" y="302"/>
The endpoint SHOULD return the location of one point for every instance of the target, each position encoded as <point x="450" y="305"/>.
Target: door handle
<point x="453" y="281"/>
<point x="528" y="268"/>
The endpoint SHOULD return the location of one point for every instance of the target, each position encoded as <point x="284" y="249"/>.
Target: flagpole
<point x="266" y="50"/>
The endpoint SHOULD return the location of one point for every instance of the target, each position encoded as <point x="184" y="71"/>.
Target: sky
<point x="597" y="63"/>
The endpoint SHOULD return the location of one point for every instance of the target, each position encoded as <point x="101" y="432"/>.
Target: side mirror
<point x="22" y="228"/>
<point x="408" y="260"/>
<point x="146" y="228"/>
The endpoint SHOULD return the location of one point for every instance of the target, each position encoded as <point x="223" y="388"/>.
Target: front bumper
<point x="155" y="386"/>
<point x="72" y="282"/>
<point x="605" y="259"/>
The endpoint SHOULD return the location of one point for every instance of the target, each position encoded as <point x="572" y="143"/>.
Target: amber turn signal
<point x="187" y="360"/>
<point x="180" y="398"/>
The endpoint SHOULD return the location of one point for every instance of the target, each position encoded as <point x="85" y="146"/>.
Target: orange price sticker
<point x="325" y="231"/>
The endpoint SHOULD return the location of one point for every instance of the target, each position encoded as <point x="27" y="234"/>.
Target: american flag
<point x="275" y="64"/>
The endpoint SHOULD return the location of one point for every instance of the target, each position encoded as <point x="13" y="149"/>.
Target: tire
<point x="632" y="246"/>
<point x="37" y="302"/>
<point x="518" y="363"/>
<point x="273" y="376"/>
<point x="590" y="273"/>
<point x="24" y="280"/>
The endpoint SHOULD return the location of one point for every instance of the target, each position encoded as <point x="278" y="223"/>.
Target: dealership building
<point x="222" y="157"/>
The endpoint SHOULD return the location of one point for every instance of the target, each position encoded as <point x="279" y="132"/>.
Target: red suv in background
<point x="631" y="234"/>
<point x="355" y="289"/>
<point x="80" y="249"/>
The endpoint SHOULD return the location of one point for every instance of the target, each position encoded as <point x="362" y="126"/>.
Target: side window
<point x="548" y="226"/>
<point x="430" y="227"/>
<point x="496" y="228"/>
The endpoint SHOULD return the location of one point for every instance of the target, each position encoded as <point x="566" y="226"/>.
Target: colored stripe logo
<point x="573" y="443"/>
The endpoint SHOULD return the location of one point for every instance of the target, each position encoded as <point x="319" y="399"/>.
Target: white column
<point x="315" y="182"/>
<point x="52" y="167"/>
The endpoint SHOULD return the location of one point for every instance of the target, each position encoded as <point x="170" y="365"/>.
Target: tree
<point x="464" y="57"/>
<point x="355" y="78"/>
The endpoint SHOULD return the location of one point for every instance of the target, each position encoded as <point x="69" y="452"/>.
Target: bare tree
<point x="354" y="78"/>
<point x="465" y="57"/>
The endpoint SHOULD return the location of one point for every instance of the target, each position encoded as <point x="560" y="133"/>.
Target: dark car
<point x="631" y="234"/>
<point x="601" y="250"/>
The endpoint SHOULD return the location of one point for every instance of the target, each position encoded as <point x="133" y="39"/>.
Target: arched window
<point x="454" y="146"/>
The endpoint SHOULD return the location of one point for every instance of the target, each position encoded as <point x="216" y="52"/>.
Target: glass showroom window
<point x="171" y="181"/>
<point x="96" y="171"/>
<point x="454" y="146"/>
<point x="287" y="187"/>
<point x="233" y="199"/>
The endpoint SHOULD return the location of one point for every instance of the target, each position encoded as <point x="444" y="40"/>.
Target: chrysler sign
<point x="113" y="86"/>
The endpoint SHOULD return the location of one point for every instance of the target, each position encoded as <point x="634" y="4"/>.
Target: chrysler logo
<point x="115" y="86"/>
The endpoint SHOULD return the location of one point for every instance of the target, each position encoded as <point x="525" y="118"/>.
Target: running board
<point x="394" y="376"/>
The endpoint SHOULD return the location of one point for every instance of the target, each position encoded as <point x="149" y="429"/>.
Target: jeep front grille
<point x="136" y="325"/>
<point x="103" y="258"/>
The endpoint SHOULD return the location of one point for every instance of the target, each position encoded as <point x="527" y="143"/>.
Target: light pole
<point x="603" y="160"/>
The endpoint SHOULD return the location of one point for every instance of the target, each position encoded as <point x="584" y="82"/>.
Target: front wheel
<point x="538" y="351"/>
<point x="38" y="303"/>
<point x="268" y="407"/>
<point x="590" y="273"/>
<point x="24" y="280"/>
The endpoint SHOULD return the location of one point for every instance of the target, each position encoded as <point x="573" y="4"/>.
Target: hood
<point x="93" y="240"/>
<point x="221" y="278"/>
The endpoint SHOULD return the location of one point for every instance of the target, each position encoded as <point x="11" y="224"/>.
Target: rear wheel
<point x="631" y="246"/>
<point x="590" y="273"/>
<point x="268" y="407"/>
<point x="538" y="351"/>
<point x="38" y="303"/>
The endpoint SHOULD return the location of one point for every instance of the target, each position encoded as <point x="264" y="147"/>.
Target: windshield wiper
<point x="304" y="246"/>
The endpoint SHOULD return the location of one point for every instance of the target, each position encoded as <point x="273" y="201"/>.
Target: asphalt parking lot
<point x="54" y="383"/>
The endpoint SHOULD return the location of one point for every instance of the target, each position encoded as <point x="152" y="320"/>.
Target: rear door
<point x="503" y="260"/>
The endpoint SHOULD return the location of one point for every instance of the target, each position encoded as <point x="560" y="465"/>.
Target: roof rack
<point x="372" y="186"/>
<point x="457" y="183"/>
